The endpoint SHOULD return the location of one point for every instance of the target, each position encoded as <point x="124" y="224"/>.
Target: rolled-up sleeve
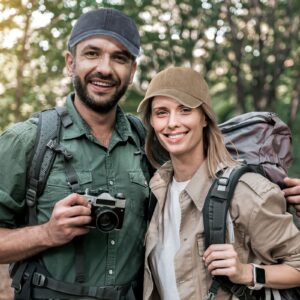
<point x="272" y="234"/>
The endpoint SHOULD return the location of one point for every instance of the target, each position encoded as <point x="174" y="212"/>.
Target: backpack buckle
<point x="39" y="279"/>
<point x="30" y="197"/>
<point x="238" y="290"/>
<point x="210" y="296"/>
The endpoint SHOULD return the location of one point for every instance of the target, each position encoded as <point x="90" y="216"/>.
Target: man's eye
<point x="123" y="59"/>
<point x="91" y="54"/>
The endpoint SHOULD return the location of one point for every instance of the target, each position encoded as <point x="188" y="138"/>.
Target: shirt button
<point x="110" y="272"/>
<point x="111" y="182"/>
<point x="112" y="242"/>
<point x="146" y="183"/>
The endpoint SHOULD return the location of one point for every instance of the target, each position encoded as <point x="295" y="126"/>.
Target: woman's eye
<point x="160" y="113"/>
<point x="186" y="109"/>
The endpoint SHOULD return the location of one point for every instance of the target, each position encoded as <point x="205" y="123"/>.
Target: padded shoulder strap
<point x="141" y="131"/>
<point x="48" y="131"/>
<point x="139" y="128"/>
<point x="215" y="211"/>
<point x="217" y="203"/>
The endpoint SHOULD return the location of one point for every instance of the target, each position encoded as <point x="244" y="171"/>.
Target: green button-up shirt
<point x="110" y="259"/>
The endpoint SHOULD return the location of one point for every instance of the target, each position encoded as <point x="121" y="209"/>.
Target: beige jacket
<point x="264" y="232"/>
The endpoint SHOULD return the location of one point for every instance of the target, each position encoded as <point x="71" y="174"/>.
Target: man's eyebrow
<point x="123" y="52"/>
<point x="90" y="47"/>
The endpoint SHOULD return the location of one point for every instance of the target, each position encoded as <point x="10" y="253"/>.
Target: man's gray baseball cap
<point x="107" y="22"/>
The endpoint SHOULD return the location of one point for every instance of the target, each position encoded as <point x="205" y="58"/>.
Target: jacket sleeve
<point x="269" y="229"/>
<point x="16" y="145"/>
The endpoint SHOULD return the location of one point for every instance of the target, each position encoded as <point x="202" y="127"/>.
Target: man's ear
<point x="133" y="70"/>
<point x="70" y="61"/>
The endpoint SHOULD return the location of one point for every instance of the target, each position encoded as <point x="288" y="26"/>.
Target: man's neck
<point x="101" y="125"/>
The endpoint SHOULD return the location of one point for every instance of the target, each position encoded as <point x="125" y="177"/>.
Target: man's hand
<point x="292" y="192"/>
<point x="68" y="220"/>
<point x="222" y="259"/>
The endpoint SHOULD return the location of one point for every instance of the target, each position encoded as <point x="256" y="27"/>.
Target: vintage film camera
<point x="107" y="211"/>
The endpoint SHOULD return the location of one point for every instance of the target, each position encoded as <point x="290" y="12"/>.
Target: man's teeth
<point x="101" y="83"/>
<point x="175" y="136"/>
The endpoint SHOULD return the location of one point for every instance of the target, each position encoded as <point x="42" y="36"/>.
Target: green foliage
<point x="247" y="50"/>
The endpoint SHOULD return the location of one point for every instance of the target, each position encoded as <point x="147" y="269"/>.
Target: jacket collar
<point x="197" y="188"/>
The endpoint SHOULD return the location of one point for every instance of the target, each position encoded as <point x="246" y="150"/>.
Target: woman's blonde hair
<point x="214" y="145"/>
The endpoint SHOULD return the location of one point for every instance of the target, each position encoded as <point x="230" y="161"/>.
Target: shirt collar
<point x="199" y="185"/>
<point x="80" y="127"/>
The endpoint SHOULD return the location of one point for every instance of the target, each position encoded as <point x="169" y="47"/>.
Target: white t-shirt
<point x="162" y="258"/>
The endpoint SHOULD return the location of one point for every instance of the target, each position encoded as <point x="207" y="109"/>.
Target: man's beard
<point x="89" y="101"/>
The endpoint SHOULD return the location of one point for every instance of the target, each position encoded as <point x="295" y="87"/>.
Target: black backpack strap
<point x="48" y="131"/>
<point x="141" y="131"/>
<point x="215" y="212"/>
<point x="138" y="127"/>
<point x="32" y="281"/>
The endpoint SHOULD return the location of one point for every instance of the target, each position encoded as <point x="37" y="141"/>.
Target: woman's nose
<point x="173" y="120"/>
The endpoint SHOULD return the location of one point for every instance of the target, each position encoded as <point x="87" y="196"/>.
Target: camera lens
<point x="107" y="220"/>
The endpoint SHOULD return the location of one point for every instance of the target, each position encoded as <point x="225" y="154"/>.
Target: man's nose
<point x="104" y="65"/>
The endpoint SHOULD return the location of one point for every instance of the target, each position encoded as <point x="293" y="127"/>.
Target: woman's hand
<point x="222" y="259"/>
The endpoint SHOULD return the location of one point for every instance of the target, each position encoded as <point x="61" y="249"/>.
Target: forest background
<point x="248" y="51"/>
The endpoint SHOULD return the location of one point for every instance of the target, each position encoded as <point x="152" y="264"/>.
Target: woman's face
<point x="178" y="128"/>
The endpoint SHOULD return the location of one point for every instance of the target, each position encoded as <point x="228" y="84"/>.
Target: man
<point x="74" y="261"/>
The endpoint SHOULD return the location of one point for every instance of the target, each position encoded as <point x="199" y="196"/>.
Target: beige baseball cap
<point x="183" y="84"/>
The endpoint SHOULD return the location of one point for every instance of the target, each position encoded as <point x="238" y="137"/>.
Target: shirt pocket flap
<point x="138" y="178"/>
<point x="60" y="179"/>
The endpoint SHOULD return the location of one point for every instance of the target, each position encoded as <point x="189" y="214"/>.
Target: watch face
<point x="260" y="275"/>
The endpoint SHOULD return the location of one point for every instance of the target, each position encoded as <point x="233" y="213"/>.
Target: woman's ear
<point x="204" y="122"/>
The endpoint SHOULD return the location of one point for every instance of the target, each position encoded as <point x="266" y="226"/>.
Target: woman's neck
<point x="185" y="168"/>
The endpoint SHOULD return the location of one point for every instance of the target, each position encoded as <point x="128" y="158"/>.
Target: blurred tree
<point x="248" y="51"/>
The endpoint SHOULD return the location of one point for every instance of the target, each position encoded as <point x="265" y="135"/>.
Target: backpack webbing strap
<point x="32" y="281"/>
<point x="215" y="211"/>
<point x="44" y="287"/>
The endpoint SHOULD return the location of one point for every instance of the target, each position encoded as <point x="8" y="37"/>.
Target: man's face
<point x="101" y="70"/>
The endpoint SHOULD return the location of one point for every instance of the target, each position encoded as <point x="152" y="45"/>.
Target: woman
<point x="182" y="126"/>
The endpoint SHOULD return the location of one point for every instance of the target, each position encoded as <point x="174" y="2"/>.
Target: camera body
<point x="107" y="212"/>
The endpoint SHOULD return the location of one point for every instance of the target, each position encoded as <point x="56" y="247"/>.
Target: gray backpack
<point x="261" y="139"/>
<point x="263" y="142"/>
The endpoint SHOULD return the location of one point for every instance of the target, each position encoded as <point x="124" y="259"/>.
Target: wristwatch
<point x="259" y="277"/>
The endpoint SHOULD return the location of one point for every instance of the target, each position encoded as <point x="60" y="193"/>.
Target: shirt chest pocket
<point x="57" y="186"/>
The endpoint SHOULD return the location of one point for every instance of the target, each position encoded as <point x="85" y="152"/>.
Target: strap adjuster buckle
<point x="39" y="279"/>
<point x="210" y="296"/>
<point x="30" y="197"/>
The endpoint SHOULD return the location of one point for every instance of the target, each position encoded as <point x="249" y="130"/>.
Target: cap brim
<point x="129" y="46"/>
<point x="181" y="97"/>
